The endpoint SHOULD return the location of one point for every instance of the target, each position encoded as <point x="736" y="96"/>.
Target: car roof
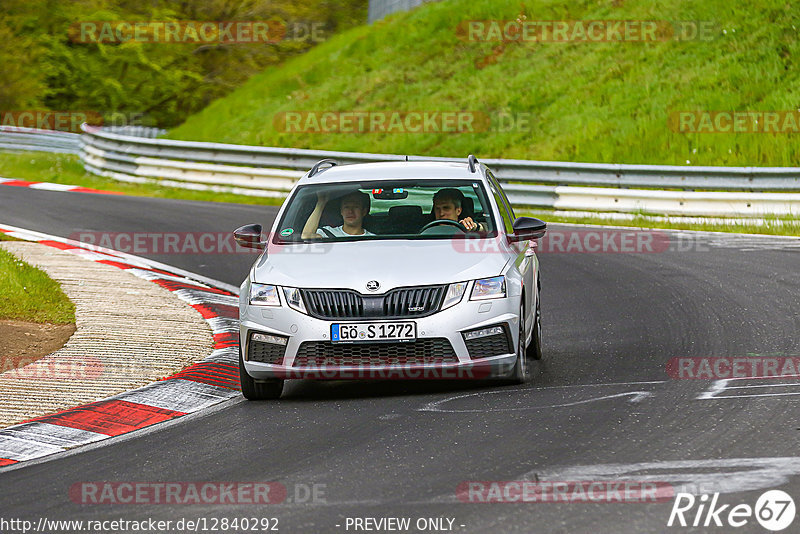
<point x="393" y="170"/>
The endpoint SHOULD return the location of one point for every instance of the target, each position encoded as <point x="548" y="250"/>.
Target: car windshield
<point x="377" y="210"/>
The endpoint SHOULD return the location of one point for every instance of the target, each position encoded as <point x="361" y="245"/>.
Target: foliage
<point x="148" y="83"/>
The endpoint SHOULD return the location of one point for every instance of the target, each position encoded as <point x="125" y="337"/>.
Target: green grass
<point x="28" y="294"/>
<point x="772" y="225"/>
<point x="67" y="169"/>
<point x="590" y="102"/>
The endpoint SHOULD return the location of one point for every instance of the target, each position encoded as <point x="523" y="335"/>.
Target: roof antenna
<point x="406" y="157"/>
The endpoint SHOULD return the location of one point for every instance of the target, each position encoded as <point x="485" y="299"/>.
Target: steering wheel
<point x="444" y="221"/>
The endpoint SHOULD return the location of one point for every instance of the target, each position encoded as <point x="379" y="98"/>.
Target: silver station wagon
<point x="398" y="270"/>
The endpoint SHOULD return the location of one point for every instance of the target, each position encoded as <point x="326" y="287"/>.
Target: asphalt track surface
<point x="601" y="405"/>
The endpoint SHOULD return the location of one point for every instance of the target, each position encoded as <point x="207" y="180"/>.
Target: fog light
<point x="483" y="332"/>
<point x="266" y="338"/>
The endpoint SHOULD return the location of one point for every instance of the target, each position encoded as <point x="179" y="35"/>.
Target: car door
<point x="525" y="259"/>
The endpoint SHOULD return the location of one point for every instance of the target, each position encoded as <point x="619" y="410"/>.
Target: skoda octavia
<point x="398" y="270"/>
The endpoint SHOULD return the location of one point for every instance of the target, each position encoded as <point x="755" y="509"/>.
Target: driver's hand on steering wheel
<point x="469" y="224"/>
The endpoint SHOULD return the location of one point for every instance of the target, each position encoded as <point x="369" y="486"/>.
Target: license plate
<point x="355" y="332"/>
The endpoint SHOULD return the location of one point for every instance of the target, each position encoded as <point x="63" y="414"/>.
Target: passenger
<point x="447" y="205"/>
<point x="353" y="207"/>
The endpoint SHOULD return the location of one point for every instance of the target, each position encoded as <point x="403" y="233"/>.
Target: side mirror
<point x="249" y="236"/>
<point x="526" y="228"/>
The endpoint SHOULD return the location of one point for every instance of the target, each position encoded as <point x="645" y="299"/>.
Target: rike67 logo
<point x="774" y="510"/>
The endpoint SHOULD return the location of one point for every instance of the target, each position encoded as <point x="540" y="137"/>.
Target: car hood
<point x="392" y="263"/>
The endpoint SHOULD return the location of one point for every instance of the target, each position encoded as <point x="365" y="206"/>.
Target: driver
<point x="353" y="207"/>
<point x="447" y="205"/>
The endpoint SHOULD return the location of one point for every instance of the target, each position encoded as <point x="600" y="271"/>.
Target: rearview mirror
<point x="249" y="236"/>
<point x="395" y="193"/>
<point x="528" y="228"/>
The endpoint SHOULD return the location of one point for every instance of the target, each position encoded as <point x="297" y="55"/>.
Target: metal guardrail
<point x="30" y="139"/>
<point x="135" y="131"/>
<point x="17" y="138"/>
<point x="380" y="8"/>
<point x="271" y="171"/>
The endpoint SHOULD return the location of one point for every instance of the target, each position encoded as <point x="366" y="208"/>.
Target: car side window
<point x="501" y="201"/>
<point x="509" y="207"/>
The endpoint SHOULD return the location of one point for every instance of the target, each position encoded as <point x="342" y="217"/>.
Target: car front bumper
<point x="298" y="328"/>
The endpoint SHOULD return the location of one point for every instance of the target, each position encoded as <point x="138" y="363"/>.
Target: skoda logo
<point x="373" y="285"/>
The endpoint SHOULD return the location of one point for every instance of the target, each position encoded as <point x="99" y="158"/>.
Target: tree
<point x="155" y="83"/>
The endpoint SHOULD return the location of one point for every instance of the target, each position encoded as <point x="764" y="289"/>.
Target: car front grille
<point x="494" y="345"/>
<point x="397" y="303"/>
<point x="258" y="351"/>
<point x="334" y="304"/>
<point x="420" y="352"/>
<point x="423" y="300"/>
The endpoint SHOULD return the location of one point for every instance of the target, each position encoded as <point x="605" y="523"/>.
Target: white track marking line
<point x="748" y="474"/>
<point x="790" y="385"/>
<point x="48" y="186"/>
<point x="637" y="396"/>
<point x="719" y="387"/>
<point x="603" y="384"/>
<point x="756" y="395"/>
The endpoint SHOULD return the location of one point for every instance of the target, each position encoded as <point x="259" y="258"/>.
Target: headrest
<point x="405" y="211"/>
<point x="467" y="207"/>
<point x="331" y="215"/>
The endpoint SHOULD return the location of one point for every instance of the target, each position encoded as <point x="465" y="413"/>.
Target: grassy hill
<point x="588" y="101"/>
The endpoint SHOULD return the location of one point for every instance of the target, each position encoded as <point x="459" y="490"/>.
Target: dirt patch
<point x="23" y="343"/>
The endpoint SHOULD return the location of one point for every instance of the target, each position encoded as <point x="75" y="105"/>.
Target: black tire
<point x="534" y="350"/>
<point x="521" y="372"/>
<point x="255" y="390"/>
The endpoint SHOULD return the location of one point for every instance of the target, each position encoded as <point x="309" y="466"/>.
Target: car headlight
<point x="454" y="294"/>
<point x="264" y="295"/>
<point x="294" y="299"/>
<point x="489" y="288"/>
